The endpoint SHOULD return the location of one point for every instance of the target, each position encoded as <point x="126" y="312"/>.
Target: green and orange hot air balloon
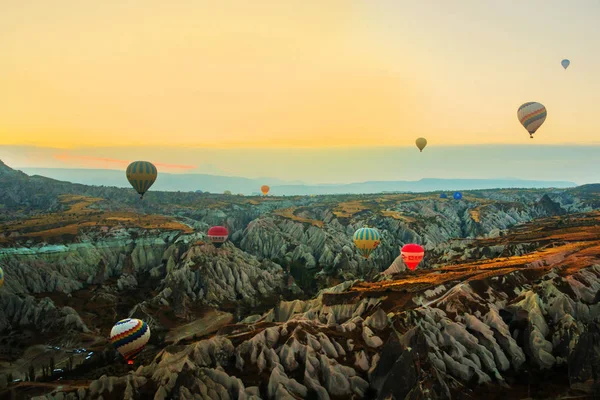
<point x="141" y="175"/>
<point x="366" y="241"/>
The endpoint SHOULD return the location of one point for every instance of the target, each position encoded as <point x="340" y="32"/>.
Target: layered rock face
<point x="477" y="335"/>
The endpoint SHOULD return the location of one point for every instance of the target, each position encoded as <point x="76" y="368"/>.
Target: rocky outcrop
<point x="18" y="313"/>
<point x="217" y="276"/>
<point x="66" y="268"/>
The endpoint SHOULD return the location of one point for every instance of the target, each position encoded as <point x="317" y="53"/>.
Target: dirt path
<point x="211" y="322"/>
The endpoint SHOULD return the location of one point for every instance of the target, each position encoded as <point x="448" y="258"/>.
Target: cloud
<point x="104" y="162"/>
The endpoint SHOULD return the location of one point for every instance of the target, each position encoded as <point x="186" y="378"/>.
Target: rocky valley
<point x="504" y="305"/>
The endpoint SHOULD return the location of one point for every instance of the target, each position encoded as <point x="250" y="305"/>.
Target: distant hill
<point x="165" y="181"/>
<point x="248" y="186"/>
<point x="423" y="185"/>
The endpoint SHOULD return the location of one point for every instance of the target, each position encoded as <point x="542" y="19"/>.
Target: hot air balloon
<point x="565" y="63"/>
<point x="130" y="336"/>
<point x="1" y="277"/>
<point x="457" y="196"/>
<point x="532" y="115"/>
<point x="218" y="235"/>
<point x="366" y="240"/>
<point x="264" y="189"/>
<point x="421" y="143"/>
<point x="412" y="254"/>
<point x="141" y="175"/>
<point x="443" y="196"/>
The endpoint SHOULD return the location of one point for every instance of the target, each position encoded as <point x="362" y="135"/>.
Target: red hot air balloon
<point x="218" y="235"/>
<point x="412" y="254"/>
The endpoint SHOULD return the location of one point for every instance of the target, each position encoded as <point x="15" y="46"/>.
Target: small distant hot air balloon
<point x="412" y="254"/>
<point x="565" y="63"/>
<point x="141" y="175"/>
<point x="443" y="196"/>
<point x="264" y="189"/>
<point x="366" y="240"/>
<point x="457" y="196"/>
<point x="1" y="277"/>
<point x="532" y="115"/>
<point x="218" y="235"/>
<point x="421" y="143"/>
<point x="130" y="336"/>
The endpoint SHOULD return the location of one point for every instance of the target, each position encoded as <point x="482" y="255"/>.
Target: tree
<point x="31" y="373"/>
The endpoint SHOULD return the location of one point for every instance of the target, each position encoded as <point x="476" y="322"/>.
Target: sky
<point x="298" y="87"/>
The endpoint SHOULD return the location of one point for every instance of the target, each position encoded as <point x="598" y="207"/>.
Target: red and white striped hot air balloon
<point x="412" y="254"/>
<point x="218" y="235"/>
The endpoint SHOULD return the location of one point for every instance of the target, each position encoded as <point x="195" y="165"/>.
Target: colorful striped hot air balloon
<point x="366" y="240"/>
<point x="532" y="115"/>
<point x="264" y="189"/>
<point x="218" y="235"/>
<point x="130" y="336"/>
<point x="141" y="175"/>
<point x="1" y="277"/>
<point x="412" y="254"/>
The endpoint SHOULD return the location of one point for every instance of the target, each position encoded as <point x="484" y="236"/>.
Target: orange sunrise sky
<point x="83" y="75"/>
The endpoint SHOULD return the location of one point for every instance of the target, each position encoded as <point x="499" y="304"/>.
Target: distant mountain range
<point x="247" y="186"/>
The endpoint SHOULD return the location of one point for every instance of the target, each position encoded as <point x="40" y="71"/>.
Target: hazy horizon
<point x="350" y="165"/>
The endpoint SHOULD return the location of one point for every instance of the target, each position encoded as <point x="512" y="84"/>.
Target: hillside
<point x="505" y="300"/>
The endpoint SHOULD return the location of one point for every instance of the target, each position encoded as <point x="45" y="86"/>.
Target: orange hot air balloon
<point x="412" y="254"/>
<point x="264" y="189"/>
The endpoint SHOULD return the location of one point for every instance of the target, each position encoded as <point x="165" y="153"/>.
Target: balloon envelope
<point x="218" y="235"/>
<point x="130" y="336"/>
<point x="264" y="189"/>
<point x="421" y="143"/>
<point x="532" y="115"/>
<point x="366" y="240"/>
<point x="457" y="196"/>
<point x="1" y="277"/>
<point x="141" y="175"/>
<point x="565" y="63"/>
<point x="412" y="254"/>
<point x="443" y="196"/>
